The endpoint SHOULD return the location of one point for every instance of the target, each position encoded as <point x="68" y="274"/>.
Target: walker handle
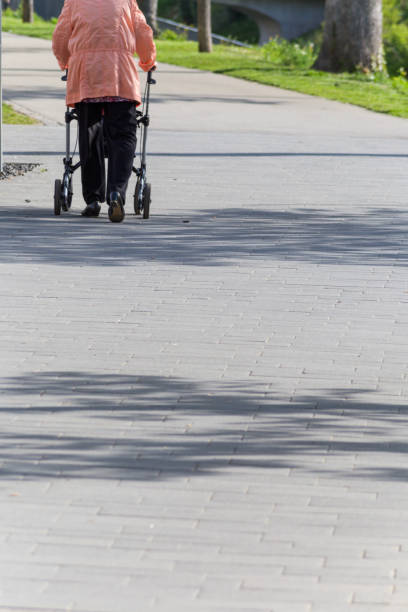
<point x="65" y="76"/>
<point x="150" y="79"/>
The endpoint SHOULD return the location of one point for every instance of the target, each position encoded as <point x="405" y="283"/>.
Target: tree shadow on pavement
<point x="210" y="237"/>
<point x="82" y="424"/>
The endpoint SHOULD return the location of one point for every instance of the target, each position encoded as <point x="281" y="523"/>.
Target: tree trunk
<point x="149" y="9"/>
<point x="204" y="26"/>
<point x="352" y="37"/>
<point x="28" y="11"/>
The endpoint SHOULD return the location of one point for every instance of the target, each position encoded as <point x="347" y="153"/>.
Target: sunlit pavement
<point x="207" y="410"/>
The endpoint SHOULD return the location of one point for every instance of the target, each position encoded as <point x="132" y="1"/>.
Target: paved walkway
<point x="207" y="411"/>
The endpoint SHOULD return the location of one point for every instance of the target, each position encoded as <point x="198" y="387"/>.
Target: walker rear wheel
<point x="146" y="200"/>
<point x="57" y="197"/>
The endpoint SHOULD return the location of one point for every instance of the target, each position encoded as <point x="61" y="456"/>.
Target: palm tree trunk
<point x="352" y="37"/>
<point x="204" y="26"/>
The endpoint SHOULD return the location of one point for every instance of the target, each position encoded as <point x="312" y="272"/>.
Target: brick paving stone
<point x="206" y="416"/>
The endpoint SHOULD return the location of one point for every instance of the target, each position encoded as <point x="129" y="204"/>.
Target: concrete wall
<point x="48" y="8"/>
<point x="286" y="18"/>
<point x="44" y="8"/>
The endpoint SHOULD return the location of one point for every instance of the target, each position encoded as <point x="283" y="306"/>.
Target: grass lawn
<point x="12" y="116"/>
<point x="384" y="95"/>
<point x="38" y="29"/>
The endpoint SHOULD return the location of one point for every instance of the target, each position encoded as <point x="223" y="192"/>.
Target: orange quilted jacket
<point x="96" y="40"/>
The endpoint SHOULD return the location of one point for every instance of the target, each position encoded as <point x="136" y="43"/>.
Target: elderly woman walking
<point x="96" y="41"/>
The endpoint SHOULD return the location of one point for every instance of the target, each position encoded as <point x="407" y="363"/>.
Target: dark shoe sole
<point x="116" y="212"/>
<point x="90" y="212"/>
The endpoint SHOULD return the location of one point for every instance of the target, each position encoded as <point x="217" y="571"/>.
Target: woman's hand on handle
<point x="150" y="78"/>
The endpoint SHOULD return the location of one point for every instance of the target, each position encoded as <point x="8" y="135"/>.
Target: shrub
<point x="396" y="35"/>
<point x="292" y="55"/>
<point x="171" y="35"/>
<point x="396" y="48"/>
<point x="400" y="83"/>
<point x="8" y="12"/>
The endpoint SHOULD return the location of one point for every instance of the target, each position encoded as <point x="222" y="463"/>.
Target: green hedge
<point x="396" y="35"/>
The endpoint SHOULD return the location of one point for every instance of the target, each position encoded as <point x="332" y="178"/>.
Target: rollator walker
<point x="63" y="190"/>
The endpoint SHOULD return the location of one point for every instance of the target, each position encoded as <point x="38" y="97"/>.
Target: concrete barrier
<point x="286" y="18"/>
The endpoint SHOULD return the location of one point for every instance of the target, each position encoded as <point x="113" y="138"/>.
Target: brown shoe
<point x="116" y="208"/>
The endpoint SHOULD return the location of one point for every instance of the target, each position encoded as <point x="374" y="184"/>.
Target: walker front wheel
<point x="146" y="200"/>
<point x="66" y="192"/>
<point x="136" y="199"/>
<point x="57" y="196"/>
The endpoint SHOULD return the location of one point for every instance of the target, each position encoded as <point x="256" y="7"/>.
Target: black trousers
<point x="113" y="123"/>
